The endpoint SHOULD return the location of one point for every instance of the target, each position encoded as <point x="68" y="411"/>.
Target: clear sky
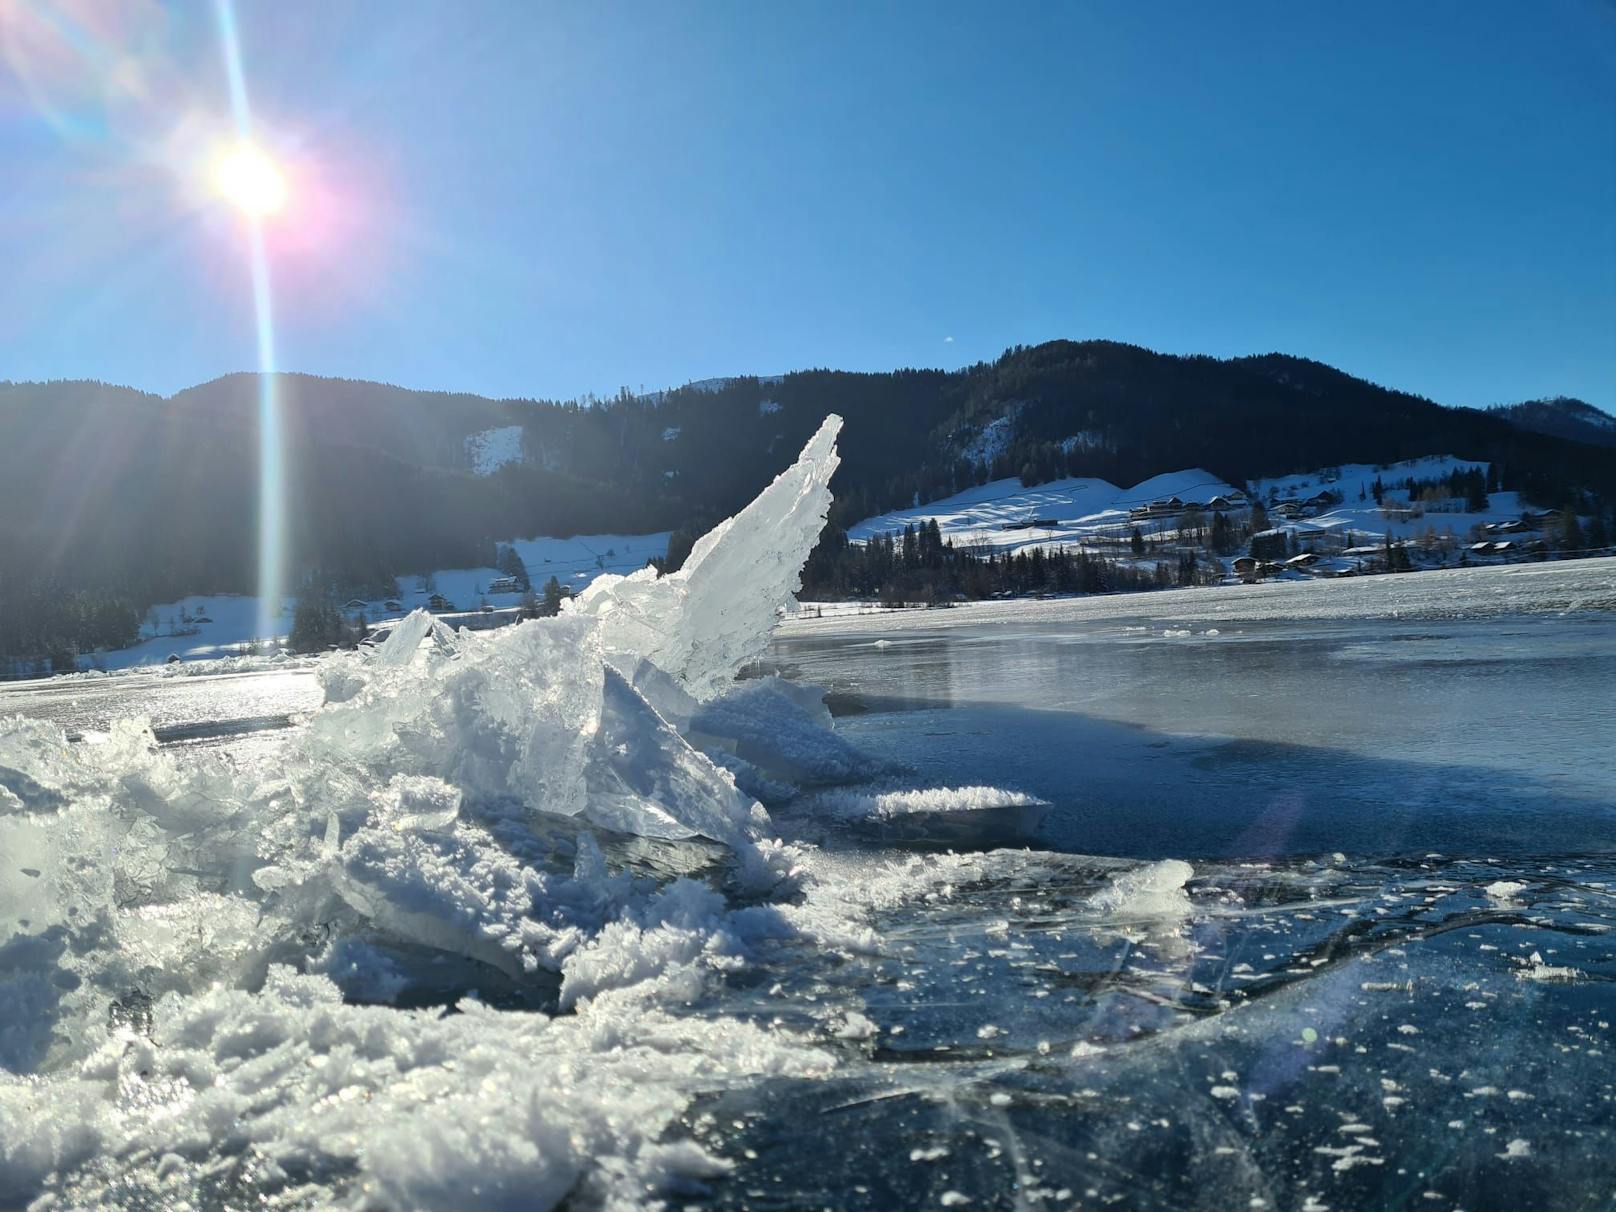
<point x="543" y="200"/>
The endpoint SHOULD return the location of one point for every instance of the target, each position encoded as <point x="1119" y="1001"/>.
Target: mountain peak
<point x="1562" y="417"/>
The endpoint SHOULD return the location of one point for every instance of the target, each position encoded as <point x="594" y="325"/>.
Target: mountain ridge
<point x="122" y="491"/>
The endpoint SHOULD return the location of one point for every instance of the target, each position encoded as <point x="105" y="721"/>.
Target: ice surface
<point x="503" y="926"/>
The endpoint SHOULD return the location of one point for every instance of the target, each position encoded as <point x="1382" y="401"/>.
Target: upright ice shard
<point x="699" y="625"/>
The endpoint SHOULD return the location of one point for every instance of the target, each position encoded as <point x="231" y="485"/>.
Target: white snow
<point x="991" y="441"/>
<point x="994" y="516"/>
<point x="574" y="561"/>
<point x="1397" y="517"/>
<point x="860" y="804"/>
<point x="1003" y="516"/>
<point x="670" y="433"/>
<point x="491" y="449"/>
<point x="1349" y="479"/>
<point x="1086" y="439"/>
<point x="202" y="627"/>
<point x="231" y="623"/>
<point x="768" y="407"/>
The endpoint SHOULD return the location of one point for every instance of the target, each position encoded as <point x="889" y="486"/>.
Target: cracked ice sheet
<point x="1369" y="1057"/>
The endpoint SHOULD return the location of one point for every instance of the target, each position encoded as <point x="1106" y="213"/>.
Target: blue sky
<point x="541" y="200"/>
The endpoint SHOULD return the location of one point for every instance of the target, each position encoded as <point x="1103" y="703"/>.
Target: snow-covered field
<point x="1000" y="516"/>
<point x="201" y="627"/>
<point x="703" y="948"/>
<point x="575" y="562"/>
<point x="1076" y="509"/>
<point x="215" y="626"/>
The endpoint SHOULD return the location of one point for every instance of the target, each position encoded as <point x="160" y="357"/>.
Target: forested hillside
<point x="114" y="499"/>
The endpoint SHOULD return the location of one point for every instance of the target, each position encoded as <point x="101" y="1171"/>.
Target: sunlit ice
<point x="247" y="177"/>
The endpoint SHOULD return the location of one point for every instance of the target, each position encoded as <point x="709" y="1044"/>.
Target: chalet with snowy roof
<point x="1245" y="567"/>
<point x="438" y="603"/>
<point x="1165" y="508"/>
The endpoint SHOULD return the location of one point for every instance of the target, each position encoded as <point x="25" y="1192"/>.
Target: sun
<point x="247" y="177"/>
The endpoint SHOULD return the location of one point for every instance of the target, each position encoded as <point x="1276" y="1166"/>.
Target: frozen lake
<point x="1318" y="910"/>
<point x="1255" y="722"/>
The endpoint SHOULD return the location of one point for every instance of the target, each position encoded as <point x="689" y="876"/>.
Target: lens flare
<point x="251" y="179"/>
<point x="248" y="178"/>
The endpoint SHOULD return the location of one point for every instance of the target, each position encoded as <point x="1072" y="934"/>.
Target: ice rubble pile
<point x="440" y="803"/>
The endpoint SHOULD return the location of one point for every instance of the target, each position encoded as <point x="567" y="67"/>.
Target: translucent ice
<point x="701" y="624"/>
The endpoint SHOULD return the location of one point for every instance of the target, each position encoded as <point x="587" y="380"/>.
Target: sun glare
<point x="252" y="181"/>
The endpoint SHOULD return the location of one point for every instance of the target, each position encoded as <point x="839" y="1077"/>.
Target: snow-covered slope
<point x="1002" y="516"/>
<point x="198" y="628"/>
<point x="491" y="449"/>
<point x="1352" y="479"/>
<point x="207" y="627"/>
<point x="996" y="515"/>
<point x="575" y="562"/>
<point x="1369" y="522"/>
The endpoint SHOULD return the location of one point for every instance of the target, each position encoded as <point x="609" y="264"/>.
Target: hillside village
<point x="1190" y="527"/>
